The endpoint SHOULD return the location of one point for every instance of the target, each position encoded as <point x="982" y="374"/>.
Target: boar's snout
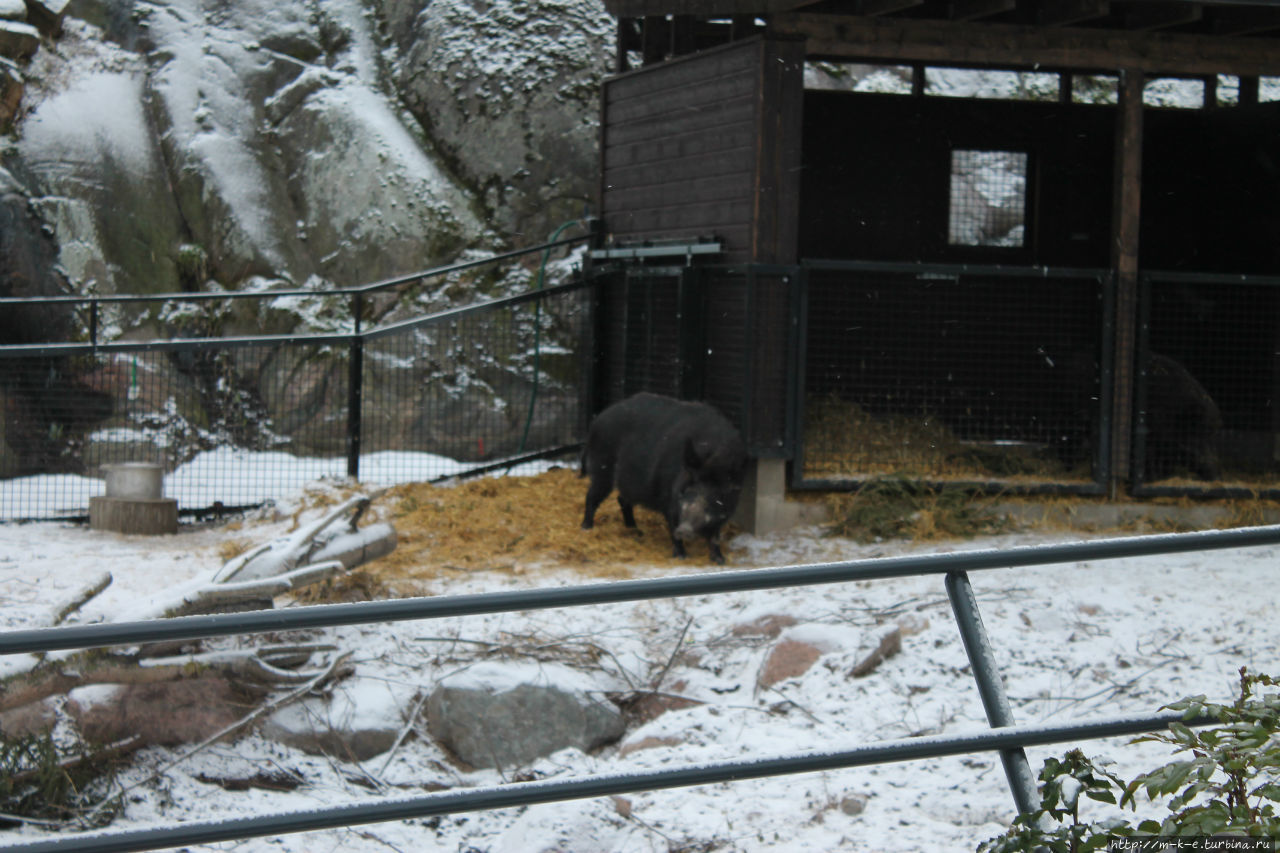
<point x="703" y="514"/>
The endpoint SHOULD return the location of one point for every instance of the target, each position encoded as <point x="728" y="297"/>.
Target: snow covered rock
<point x="787" y="659"/>
<point x="264" y="135"/>
<point x="166" y="713"/>
<point x="799" y="647"/>
<point x="13" y="10"/>
<point x="361" y="719"/>
<point x="31" y="719"/>
<point x="47" y="15"/>
<point x="506" y="715"/>
<point x="12" y="87"/>
<point x="18" y="40"/>
<point x="519" y="116"/>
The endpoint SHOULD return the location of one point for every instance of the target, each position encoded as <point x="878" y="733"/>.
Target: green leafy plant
<point x="1227" y="784"/>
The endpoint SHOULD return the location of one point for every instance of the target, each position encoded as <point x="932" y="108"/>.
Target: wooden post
<point x="1248" y="91"/>
<point x="1125" y="221"/>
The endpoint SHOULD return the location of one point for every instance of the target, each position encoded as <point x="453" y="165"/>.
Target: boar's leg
<point x="716" y="555"/>
<point x="677" y="542"/>
<point x="628" y="513"/>
<point x="596" y="492"/>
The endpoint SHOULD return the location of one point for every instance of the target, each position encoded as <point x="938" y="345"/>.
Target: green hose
<point x="537" y="332"/>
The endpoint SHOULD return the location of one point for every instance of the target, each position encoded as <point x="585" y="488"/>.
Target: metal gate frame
<point x="1102" y="451"/>
<point x="1139" y="486"/>
<point x="1003" y="736"/>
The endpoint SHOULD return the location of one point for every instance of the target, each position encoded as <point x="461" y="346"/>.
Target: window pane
<point x="988" y="198"/>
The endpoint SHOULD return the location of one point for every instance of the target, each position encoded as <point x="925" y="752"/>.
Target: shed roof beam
<point x="1060" y="13"/>
<point x="1018" y="46"/>
<point x="1241" y="22"/>
<point x="884" y="7"/>
<point x="972" y="10"/>
<point x="1158" y="16"/>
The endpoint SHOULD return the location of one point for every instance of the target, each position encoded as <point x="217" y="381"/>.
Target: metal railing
<point x="230" y="418"/>
<point x="356" y="293"/>
<point x="1004" y="737"/>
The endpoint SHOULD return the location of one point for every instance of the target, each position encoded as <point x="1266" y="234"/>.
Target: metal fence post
<point x="355" y="388"/>
<point x="990" y="687"/>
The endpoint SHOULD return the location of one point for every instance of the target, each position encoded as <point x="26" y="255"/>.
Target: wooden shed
<point x="1064" y="284"/>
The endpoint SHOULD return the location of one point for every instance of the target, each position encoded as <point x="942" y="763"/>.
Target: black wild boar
<point x="681" y="459"/>
<point x="1184" y="425"/>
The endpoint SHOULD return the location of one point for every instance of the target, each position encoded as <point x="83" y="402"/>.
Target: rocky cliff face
<point x="260" y="142"/>
<point x="200" y="145"/>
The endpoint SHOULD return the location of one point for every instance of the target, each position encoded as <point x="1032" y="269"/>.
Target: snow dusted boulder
<point x="89" y="149"/>
<point x="261" y="139"/>
<point x="167" y="712"/>
<point x="519" y="116"/>
<point x="362" y="718"/>
<point x="370" y="201"/>
<point x="507" y="714"/>
<point x="799" y="647"/>
<point x="13" y="10"/>
<point x="34" y="718"/>
<point x="18" y="40"/>
<point x="291" y="160"/>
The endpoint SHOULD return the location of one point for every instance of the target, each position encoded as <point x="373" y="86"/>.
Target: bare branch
<point x="254" y="666"/>
<point x="81" y="598"/>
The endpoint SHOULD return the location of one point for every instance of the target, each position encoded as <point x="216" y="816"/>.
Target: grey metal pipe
<point x="995" y="701"/>
<point x="325" y="615"/>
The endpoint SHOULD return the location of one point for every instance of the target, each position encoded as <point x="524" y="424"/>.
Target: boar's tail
<point x="582" y="462"/>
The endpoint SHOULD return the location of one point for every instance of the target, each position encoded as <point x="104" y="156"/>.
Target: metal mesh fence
<point x="1207" y="382"/>
<point x="236" y="422"/>
<point x="640" y="331"/>
<point x="466" y="390"/>
<point x="229" y="421"/>
<point x="953" y="375"/>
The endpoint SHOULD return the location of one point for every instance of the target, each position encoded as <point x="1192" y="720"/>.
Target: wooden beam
<point x="699" y="8"/>
<point x="683" y="35"/>
<point x="1125" y="225"/>
<point x="1158" y="16"/>
<point x="972" y="10"/>
<point x="1243" y="22"/>
<point x="656" y="39"/>
<point x="871" y="8"/>
<point x="1019" y="46"/>
<point x="1061" y="13"/>
<point x="1248" y="91"/>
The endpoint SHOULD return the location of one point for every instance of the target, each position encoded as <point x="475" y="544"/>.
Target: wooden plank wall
<point x="690" y="148"/>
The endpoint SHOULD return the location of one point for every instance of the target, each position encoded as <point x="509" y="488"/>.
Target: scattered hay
<point x="515" y="524"/>
<point x="363" y="584"/>
<point x="842" y="440"/>
<point x="899" y="508"/>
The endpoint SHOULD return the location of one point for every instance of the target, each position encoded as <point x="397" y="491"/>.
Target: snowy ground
<point x="1076" y="641"/>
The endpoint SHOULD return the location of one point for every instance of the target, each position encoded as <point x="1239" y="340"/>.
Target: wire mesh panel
<point x="988" y="198"/>
<point x="237" y="422"/>
<point x="640" y="333"/>
<point x="442" y="396"/>
<point x="746" y="358"/>
<point x="227" y="422"/>
<point x="1207" y="382"/>
<point x="952" y="375"/>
